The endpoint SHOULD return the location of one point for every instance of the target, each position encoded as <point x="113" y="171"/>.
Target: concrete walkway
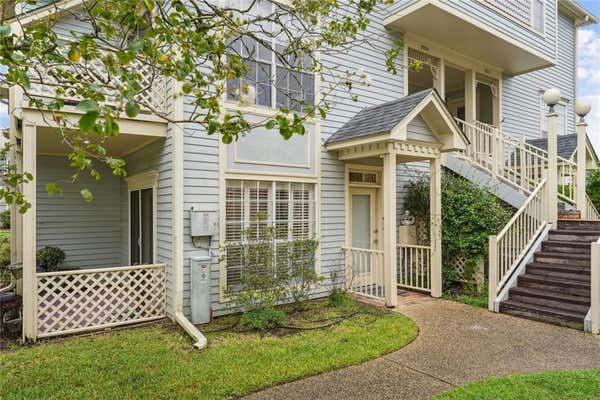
<point x="457" y="344"/>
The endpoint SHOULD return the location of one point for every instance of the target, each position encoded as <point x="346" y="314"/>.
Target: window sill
<point x="260" y="111"/>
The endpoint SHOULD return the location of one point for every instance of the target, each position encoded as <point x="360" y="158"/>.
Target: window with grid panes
<point x="287" y="207"/>
<point x="275" y="84"/>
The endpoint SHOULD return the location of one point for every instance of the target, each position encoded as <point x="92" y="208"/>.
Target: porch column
<point x="470" y="96"/>
<point x="29" y="246"/>
<point x="389" y="227"/>
<point x="552" y="169"/>
<point x="580" y="197"/>
<point x="435" y="196"/>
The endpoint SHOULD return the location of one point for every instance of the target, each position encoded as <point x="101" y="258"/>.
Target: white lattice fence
<point x="85" y="300"/>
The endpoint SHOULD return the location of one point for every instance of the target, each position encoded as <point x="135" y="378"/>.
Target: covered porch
<point x="375" y="145"/>
<point x="111" y="273"/>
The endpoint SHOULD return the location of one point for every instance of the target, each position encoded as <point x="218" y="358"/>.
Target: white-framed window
<point x="275" y="84"/>
<point x="561" y="124"/>
<point x="141" y="190"/>
<point x="288" y="208"/>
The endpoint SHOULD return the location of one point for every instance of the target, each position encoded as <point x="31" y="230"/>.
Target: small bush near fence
<point x="5" y="219"/>
<point x="593" y="187"/>
<point x="50" y="258"/>
<point x="470" y="214"/>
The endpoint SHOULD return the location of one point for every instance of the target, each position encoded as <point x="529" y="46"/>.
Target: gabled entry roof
<point x="389" y="121"/>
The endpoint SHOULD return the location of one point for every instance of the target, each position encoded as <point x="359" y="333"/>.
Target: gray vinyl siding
<point x="88" y="232"/>
<point x="418" y="130"/>
<point x="543" y="43"/>
<point x="521" y="104"/>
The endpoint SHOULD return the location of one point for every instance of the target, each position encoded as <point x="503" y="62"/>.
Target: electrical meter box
<point x="200" y="289"/>
<point x="203" y="223"/>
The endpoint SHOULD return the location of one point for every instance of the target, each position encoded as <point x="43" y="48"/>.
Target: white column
<point x="435" y="196"/>
<point x="552" y="169"/>
<point x="595" y="289"/>
<point x="470" y="96"/>
<point x="580" y="199"/>
<point x="29" y="245"/>
<point x="389" y="227"/>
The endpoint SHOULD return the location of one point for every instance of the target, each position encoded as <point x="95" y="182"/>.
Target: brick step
<point x="562" y="258"/>
<point x="555" y="304"/>
<point x="554" y="284"/>
<point x="542" y="314"/>
<point x="550" y="295"/>
<point x="560" y="246"/>
<point x="568" y="275"/>
<point x="573" y="269"/>
<point x="579" y="225"/>
<point x="582" y="236"/>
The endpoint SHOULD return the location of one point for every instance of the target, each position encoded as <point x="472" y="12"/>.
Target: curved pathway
<point x="456" y="344"/>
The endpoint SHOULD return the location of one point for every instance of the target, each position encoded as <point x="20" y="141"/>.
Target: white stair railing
<point x="591" y="212"/>
<point x="364" y="272"/>
<point x="507" y="249"/>
<point x="567" y="177"/>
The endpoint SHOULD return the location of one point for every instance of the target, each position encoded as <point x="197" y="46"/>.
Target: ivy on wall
<point x="470" y="214"/>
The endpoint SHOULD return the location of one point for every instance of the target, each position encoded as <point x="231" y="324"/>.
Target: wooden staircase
<point x="555" y="287"/>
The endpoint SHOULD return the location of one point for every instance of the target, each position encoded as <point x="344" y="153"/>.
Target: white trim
<point x="139" y="182"/>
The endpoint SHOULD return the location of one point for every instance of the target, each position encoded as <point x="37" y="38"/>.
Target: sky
<point x="588" y="71"/>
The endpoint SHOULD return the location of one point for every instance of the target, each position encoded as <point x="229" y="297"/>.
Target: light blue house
<point x="187" y="196"/>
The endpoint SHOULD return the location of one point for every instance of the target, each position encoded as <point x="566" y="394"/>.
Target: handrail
<point x="510" y="245"/>
<point x="591" y="212"/>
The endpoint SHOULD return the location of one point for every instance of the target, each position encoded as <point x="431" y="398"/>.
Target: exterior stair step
<point x="561" y="246"/>
<point x="554" y="304"/>
<point x="579" y="225"/>
<point x="572" y="269"/>
<point x="550" y="295"/>
<point x="572" y="235"/>
<point x="562" y="258"/>
<point x="543" y="314"/>
<point x="573" y="276"/>
<point x="555" y="284"/>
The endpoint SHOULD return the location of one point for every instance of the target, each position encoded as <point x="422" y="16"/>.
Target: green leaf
<point x="270" y="124"/>
<point x="132" y="109"/>
<point x="4" y="30"/>
<point x="186" y="88"/>
<point x="87" y="195"/>
<point x="87" y="121"/>
<point x="87" y="105"/>
<point x="52" y="189"/>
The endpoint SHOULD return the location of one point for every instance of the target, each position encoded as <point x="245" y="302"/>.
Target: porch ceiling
<point x="49" y="143"/>
<point x="454" y="30"/>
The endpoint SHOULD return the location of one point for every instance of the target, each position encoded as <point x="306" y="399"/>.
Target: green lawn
<point x="158" y="362"/>
<point x="565" y="385"/>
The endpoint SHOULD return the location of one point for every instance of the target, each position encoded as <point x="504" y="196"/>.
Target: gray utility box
<point x="200" y="289"/>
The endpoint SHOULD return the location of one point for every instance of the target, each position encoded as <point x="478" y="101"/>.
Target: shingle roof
<point x="378" y="119"/>
<point x="566" y="145"/>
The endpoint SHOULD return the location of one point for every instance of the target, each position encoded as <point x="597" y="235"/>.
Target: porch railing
<point x="47" y="80"/>
<point x="364" y="272"/>
<point x="567" y="177"/>
<point x="85" y="300"/>
<point x="414" y="267"/>
<point x="590" y="209"/>
<point x="507" y="249"/>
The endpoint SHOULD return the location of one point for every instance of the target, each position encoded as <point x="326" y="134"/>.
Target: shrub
<point x="4" y="254"/>
<point x="338" y="297"/>
<point x="593" y="187"/>
<point x="5" y="219"/>
<point x="263" y="319"/>
<point x="50" y="258"/>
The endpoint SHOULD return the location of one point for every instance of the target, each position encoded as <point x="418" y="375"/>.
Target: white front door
<point x="363" y="218"/>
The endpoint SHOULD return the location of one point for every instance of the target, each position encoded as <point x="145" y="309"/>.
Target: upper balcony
<point x="516" y="36"/>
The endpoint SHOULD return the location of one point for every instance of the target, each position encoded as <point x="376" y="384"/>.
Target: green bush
<point x="338" y="297"/>
<point x="470" y="214"/>
<point x="593" y="187"/>
<point x="263" y="319"/>
<point x="50" y="258"/>
<point x="5" y="219"/>
<point x="4" y="254"/>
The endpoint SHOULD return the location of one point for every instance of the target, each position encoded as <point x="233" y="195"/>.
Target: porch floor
<point x="456" y="344"/>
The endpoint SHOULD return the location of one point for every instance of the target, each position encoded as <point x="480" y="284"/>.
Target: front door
<point x="363" y="218"/>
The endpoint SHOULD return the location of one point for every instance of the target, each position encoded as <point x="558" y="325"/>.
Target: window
<point x="561" y="124"/>
<point x="288" y="208"/>
<point x="275" y="84"/>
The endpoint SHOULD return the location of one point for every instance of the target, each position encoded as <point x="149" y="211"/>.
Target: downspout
<point x="200" y="341"/>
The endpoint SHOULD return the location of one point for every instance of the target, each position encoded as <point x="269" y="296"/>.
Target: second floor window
<point x="279" y="80"/>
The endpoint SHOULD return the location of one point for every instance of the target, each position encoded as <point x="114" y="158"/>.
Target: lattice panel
<point x="75" y="301"/>
<point x="47" y="79"/>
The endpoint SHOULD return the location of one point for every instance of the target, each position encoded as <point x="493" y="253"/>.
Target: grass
<point x="480" y="300"/>
<point x="580" y="385"/>
<point x="158" y="362"/>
